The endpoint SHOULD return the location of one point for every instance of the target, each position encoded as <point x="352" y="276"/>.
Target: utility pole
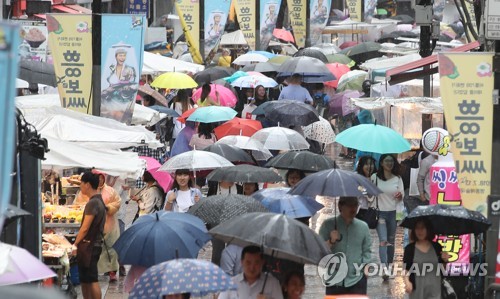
<point x="96" y="57"/>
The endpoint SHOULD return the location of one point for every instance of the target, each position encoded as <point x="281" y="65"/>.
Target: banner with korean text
<point x="189" y="15"/>
<point x="70" y="40"/>
<point x="216" y="13"/>
<point x="138" y="7"/>
<point x="245" y="11"/>
<point x="269" y="10"/>
<point x="355" y="10"/>
<point x="318" y="15"/>
<point x="297" y="10"/>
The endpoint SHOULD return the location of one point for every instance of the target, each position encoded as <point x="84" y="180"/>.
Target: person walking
<point x="366" y="167"/>
<point x="150" y="198"/>
<point x="294" y="91"/>
<point x="182" y="195"/>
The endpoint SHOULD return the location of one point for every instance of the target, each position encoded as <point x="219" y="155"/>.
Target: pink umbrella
<point x="162" y="178"/>
<point x="254" y="73"/>
<point x="226" y="96"/>
<point x="348" y="44"/>
<point x="339" y="102"/>
<point x="337" y="69"/>
<point x="283" y="34"/>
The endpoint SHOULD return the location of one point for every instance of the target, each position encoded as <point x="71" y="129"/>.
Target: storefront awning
<point x="67" y="8"/>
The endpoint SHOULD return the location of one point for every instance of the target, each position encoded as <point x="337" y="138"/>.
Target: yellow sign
<point x="70" y="39"/>
<point x="189" y="15"/>
<point x="466" y="92"/>
<point x="469" y="6"/>
<point x="245" y="10"/>
<point x="355" y="10"/>
<point x="298" y="14"/>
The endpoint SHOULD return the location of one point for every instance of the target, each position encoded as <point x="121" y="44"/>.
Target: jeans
<point x="386" y="230"/>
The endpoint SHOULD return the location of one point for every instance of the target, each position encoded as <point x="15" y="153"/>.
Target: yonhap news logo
<point x="332" y="269"/>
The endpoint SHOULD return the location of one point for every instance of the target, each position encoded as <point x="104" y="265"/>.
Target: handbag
<point x="447" y="291"/>
<point x="370" y="215"/>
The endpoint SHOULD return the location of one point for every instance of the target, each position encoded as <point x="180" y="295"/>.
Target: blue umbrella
<point x="277" y="200"/>
<point x="167" y="111"/>
<point x="212" y="114"/>
<point x="180" y="276"/>
<point x="263" y="53"/>
<point x="160" y="237"/>
<point x="235" y="76"/>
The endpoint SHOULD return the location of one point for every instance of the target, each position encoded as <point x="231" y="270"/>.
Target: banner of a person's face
<point x="245" y="11"/>
<point x="70" y="40"/>
<point x="318" y="16"/>
<point x="216" y="13"/>
<point x="121" y="63"/>
<point x="269" y="10"/>
<point x="189" y="14"/>
<point x="466" y="81"/>
<point x="297" y="10"/>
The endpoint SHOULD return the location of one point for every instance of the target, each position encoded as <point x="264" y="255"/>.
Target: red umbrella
<point x="283" y="34"/>
<point x="348" y="44"/>
<point x="162" y="178"/>
<point x="185" y="115"/>
<point x="337" y="70"/>
<point x="239" y="127"/>
<point x="226" y="96"/>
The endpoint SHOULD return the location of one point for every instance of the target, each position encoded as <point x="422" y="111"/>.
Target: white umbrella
<point x="250" y="58"/>
<point x="195" y="160"/>
<point x="320" y="131"/>
<point x="259" y="152"/>
<point x="253" y="81"/>
<point x="20" y="83"/>
<point x="279" y="138"/>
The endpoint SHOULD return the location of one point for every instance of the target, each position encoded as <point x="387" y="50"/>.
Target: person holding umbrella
<point x="182" y="195"/>
<point x="204" y="137"/>
<point x="366" y="167"/>
<point x="293" y="177"/>
<point x="205" y="100"/>
<point x="150" y="197"/>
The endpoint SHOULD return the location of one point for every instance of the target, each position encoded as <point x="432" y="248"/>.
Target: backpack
<point x="409" y="163"/>
<point x="319" y="100"/>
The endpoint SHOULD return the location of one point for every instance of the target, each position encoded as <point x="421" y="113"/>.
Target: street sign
<point x="493" y="19"/>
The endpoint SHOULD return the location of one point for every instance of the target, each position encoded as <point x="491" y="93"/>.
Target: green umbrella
<point x="279" y="59"/>
<point x="382" y="11"/>
<point x="340" y="58"/>
<point x="352" y="80"/>
<point x="212" y="114"/>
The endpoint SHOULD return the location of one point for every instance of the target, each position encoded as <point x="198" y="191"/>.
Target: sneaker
<point x="123" y="272"/>
<point x="112" y="276"/>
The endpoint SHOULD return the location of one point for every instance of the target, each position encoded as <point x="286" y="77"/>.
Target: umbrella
<point x="173" y="80"/>
<point x="226" y="96"/>
<point x="261" y="109"/>
<point x="196" y="277"/>
<point x="263" y="67"/>
<point x="277" y="200"/>
<point x="263" y="53"/>
<point x="186" y="114"/>
<point x="14" y="212"/>
<point x="144" y="243"/>
<point x="334" y="183"/>
<point x="279" y="138"/>
<point x="30" y="292"/>
<point x="279" y="59"/>
<point x="302" y="160"/>
<point x="21" y="83"/>
<point x="259" y="152"/>
<point x="195" y="160"/>
<point x="338" y="70"/>
<point x="448" y="219"/>
<point x="340" y="58"/>
<point x="230" y="152"/>
<point x="347" y="44"/>
<point x="167" y="111"/>
<point x="162" y="178"/>
<point x="212" y="114"/>
<point x="250" y="58"/>
<point x="373" y="138"/>
<point x="312" y="69"/>
<point x="309" y="52"/>
<point x="217" y="209"/>
<point x="20" y="266"/>
<point x="352" y="80"/>
<point x="283" y="34"/>
<point x="392" y="37"/>
<point x="244" y="174"/>
<point x="212" y="74"/>
<point x="235" y="76"/>
<point x="146" y="89"/>
<point x="291" y="113"/>
<point x="363" y="51"/>
<point x="340" y="102"/>
<point x="253" y="81"/>
<point x="327" y="48"/>
<point x="238" y="126"/>
<point x="279" y="235"/>
<point x="39" y="72"/>
<point x="320" y="131"/>
<point x="405" y="19"/>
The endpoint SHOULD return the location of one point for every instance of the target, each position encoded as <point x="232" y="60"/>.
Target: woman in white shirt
<point x="388" y="179"/>
<point x="182" y="195"/>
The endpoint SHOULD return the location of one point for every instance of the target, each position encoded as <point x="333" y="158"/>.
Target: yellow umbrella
<point x="174" y="81"/>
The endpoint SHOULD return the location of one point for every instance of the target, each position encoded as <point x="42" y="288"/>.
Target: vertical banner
<point x="138" y="7"/>
<point x="189" y="15"/>
<point x="469" y="7"/>
<point x="216" y="13"/>
<point x="34" y="44"/>
<point x="121" y="55"/>
<point x="269" y="10"/>
<point x="70" y="39"/>
<point x="466" y="84"/>
<point x="245" y="11"/>
<point x="355" y="9"/>
<point x="318" y="16"/>
<point x="297" y="10"/>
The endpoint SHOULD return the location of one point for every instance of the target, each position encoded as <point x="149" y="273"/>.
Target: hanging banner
<point x="466" y="85"/>
<point x="245" y="11"/>
<point x="121" y="57"/>
<point x="269" y="10"/>
<point x="318" y="16"/>
<point x="355" y="8"/>
<point x="189" y="15"/>
<point x="297" y="10"/>
<point x="138" y="7"/>
<point x="469" y="7"/>
<point x="34" y="41"/>
<point x="216" y="13"/>
<point x="70" y="40"/>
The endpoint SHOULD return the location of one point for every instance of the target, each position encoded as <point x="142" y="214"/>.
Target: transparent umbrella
<point x="195" y="160"/>
<point x="279" y="138"/>
<point x="259" y="152"/>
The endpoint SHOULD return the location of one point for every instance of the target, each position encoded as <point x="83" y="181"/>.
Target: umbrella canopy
<point x="38" y="72"/>
<point x="291" y="113"/>
<point x="217" y="209"/>
<point x="334" y="183"/>
<point x="279" y="138"/>
<point x="244" y="174"/>
<point x="352" y="80"/>
<point x="162" y="178"/>
<point x="174" y="80"/>
<point x="309" y="52"/>
<point x="186" y="114"/>
<point x="195" y="160"/>
<point x="448" y="219"/>
<point x="363" y="51"/>
<point x="279" y="235"/>
<point x="348" y="44"/>
<point x="392" y="37"/>
<point x="279" y="59"/>
<point x="211" y="74"/>
<point x="212" y="114"/>
<point x="340" y="102"/>
<point x="259" y="152"/>
<point x="320" y="131"/>
<point x="13" y="212"/>
<point x="338" y="70"/>
<point x="327" y="48"/>
<point x="263" y="53"/>
<point x="283" y="34"/>
<point x="230" y="152"/>
<point x="143" y="244"/>
<point x="277" y="200"/>
<point x="196" y="277"/>
<point x="373" y="138"/>
<point x="146" y="89"/>
<point x="263" y="67"/>
<point x="30" y="292"/>
<point x="238" y="126"/>
<point x="167" y="111"/>
<point x="253" y="81"/>
<point x="312" y="69"/>
<point x="302" y="160"/>
<point x="249" y="58"/>
<point x="226" y="96"/>
<point x="235" y="76"/>
<point x="340" y="58"/>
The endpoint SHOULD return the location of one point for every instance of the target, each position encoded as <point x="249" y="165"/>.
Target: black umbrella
<point x="244" y="174"/>
<point x="261" y="67"/>
<point x="312" y="69"/>
<point x="363" y="51"/>
<point x="392" y="37"/>
<point x="39" y="72"/>
<point x="280" y="236"/>
<point x="308" y="52"/>
<point x="448" y="219"/>
<point x="217" y="209"/>
<point x="404" y="19"/>
<point x="230" y="152"/>
<point x="302" y="160"/>
<point x="14" y="212"/>
<point x="213" y="73"/>
<point x="261" y="109"/>
<point x="291" y="113"/>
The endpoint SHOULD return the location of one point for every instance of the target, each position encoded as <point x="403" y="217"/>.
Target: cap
<point x="120" y="51"/>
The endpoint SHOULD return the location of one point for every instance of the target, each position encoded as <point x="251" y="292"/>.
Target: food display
<point x="72" y="214"/>
<point x="55" y="245"/>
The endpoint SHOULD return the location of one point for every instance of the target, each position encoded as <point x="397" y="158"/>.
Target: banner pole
<point x="96" y="57"/>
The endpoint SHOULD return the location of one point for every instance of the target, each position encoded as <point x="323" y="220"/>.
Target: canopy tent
<point x="422" y="105"/>
<point x="378" y="66"/>
<point x="233" y="38"/>
<point x="154" y="63"/>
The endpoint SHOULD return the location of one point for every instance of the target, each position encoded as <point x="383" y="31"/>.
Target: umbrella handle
<point x="265" y="279"/>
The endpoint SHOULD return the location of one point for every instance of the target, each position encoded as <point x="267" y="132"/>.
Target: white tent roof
<point x="233" y="38"/>
<point x="154" y="63"/>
